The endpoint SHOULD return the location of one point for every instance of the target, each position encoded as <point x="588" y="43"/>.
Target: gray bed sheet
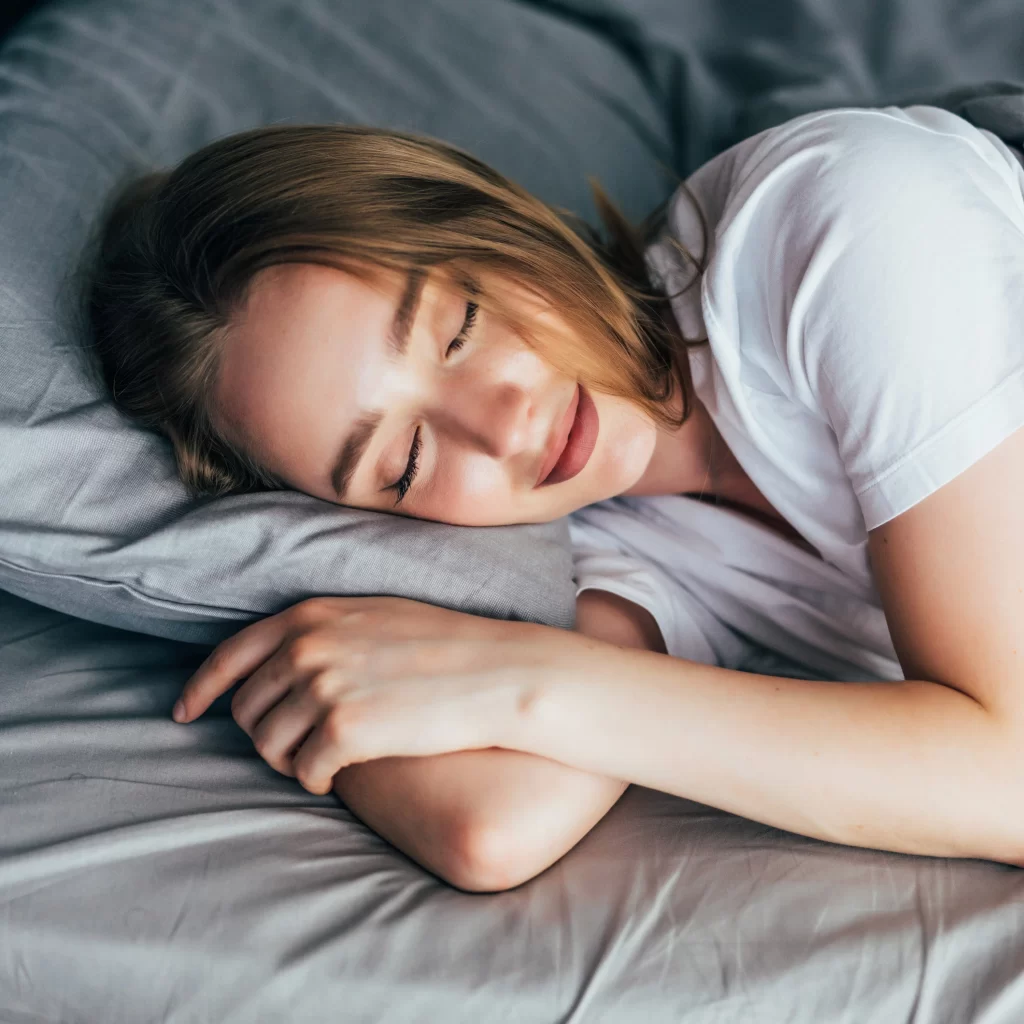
<point x="156" y="872"/>
<point x="153" y="872"/>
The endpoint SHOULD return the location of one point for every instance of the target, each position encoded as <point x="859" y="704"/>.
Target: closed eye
<point x="467" y="326"/>
<point x="403" y="485"/>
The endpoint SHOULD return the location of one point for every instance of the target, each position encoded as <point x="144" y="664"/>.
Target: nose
<point x="496" y="421"/>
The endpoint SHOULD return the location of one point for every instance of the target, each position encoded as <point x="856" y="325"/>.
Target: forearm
<point x="908" y="766"/>
<point x="489" y="819"/>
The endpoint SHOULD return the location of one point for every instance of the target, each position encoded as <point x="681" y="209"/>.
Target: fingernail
<point x="178" y="714"/>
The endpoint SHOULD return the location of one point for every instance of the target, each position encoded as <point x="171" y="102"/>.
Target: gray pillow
<point x="93" y="520"/>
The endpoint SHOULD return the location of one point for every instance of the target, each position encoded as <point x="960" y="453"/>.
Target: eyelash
<point x="403" y="485"/>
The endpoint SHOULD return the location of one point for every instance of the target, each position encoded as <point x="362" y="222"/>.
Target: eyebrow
<point x="362" y="433"/>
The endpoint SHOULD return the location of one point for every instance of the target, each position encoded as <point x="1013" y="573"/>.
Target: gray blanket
<point x="151" y="872"/>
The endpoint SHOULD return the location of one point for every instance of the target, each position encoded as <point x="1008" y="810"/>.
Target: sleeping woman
<point x="786" y="409"/>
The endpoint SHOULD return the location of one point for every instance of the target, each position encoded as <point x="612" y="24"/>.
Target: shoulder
<point x="875" y="144"/>
<point x="853" y="173"/>
<point x="843" y="227"/>
<point x="869" y="272"/>
<point x="846" y="173"/>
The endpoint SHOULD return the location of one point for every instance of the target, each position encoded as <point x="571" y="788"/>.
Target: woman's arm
<point x="490" y="819"/>
<point x="483" y="820"/>
<point x="933" y="764"/>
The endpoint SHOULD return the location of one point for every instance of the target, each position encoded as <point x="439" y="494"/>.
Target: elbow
<point x="1007" y="850"/>
<point x="486" y="857"/>
<point x="1008" y="853"/>
<point x="1001" y="829"/>
<point x="1014" y="861"/>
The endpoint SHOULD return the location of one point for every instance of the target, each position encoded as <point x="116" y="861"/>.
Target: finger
<point x="231" y="660"/>
<point x="325" y="752"/>
<point x="264" y="688"/>
<point x="277" y="735"/>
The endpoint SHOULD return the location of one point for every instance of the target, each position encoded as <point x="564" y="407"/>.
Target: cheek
<point x="470" y="491"/>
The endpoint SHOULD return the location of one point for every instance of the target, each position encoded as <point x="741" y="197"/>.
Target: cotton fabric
<point x="864" y="306"/>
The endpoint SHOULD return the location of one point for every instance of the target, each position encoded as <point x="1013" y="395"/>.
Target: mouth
<point x="576" y="441"/>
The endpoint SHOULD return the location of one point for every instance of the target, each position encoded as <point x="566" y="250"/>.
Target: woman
<point x="380" y="320"/>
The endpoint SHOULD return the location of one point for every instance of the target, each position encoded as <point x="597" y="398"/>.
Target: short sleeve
<point x="688" y="628"/>
<point x="879" y="255"/>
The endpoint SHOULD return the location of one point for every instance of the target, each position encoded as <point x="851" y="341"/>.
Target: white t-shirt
<point x="864" y="304"/>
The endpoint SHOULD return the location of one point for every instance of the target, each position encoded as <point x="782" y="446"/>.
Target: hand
<point x="334" y="681"/>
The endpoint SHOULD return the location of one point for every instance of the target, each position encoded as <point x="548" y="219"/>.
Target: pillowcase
<point x="93" y="520"/>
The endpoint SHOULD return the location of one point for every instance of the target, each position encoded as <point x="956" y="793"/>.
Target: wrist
<point x="558" y="700"/>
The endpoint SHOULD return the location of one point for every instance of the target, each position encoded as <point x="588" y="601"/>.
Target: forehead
<point x="290" y="291"/>
<point x="306" y="344"/>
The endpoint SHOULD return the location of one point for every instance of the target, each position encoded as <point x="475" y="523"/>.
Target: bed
<point x="155" y="873"/>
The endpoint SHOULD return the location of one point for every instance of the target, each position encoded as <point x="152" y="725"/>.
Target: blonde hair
<point x="176" y="250"/>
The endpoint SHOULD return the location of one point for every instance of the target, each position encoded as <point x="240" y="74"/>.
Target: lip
<point x="577" y="437"/>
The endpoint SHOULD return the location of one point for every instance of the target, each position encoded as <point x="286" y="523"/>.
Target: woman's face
<point x="309" y="357"/>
